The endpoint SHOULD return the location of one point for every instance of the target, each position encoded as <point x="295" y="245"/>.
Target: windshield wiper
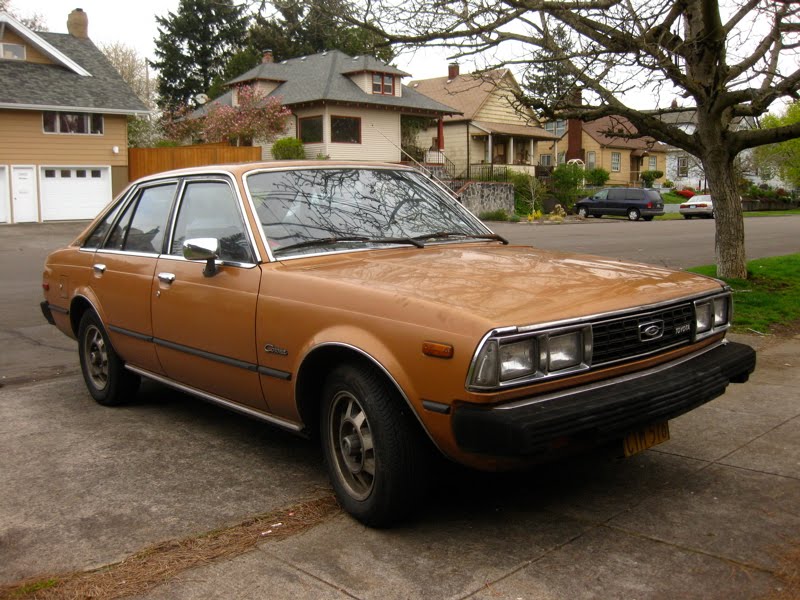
<point x="352" y="238"/>
<point x="440" y="235"/>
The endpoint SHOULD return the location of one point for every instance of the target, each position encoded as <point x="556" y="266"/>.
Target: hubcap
<point x="351" y="445"/>
<point x="96" y="357"/>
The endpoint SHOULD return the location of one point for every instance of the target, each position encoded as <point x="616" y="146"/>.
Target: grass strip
<point x="768" y="301"/>
<point x="160" y="563"/>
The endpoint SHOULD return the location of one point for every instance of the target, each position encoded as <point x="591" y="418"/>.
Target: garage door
<point x="5" y="205"/>
<point x="69" y="193"/>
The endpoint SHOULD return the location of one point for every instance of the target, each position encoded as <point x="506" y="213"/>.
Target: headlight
<point x="712" y="315"/>
<point x="518" y="359"/>
<point x="530" y="357"/>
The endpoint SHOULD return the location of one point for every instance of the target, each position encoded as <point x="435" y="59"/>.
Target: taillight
<point x="649" y="205"/>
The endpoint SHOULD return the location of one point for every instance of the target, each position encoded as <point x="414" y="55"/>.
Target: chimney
<point x="452" y="70"/>
<point x="78" y="24"/>
<point x="267" y="56"/>
<point x="575" y="130"/>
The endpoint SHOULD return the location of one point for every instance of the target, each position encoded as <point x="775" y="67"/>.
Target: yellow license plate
<point x="641" y="440"/>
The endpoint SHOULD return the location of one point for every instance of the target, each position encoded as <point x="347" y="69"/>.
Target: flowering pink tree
<point x="256" y="117"/>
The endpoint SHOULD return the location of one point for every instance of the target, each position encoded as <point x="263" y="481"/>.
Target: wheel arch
<point x="319" y="361"/>
<point x="77" y="308"/>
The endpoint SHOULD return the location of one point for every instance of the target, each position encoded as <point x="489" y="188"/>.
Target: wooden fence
<point x="146" y="161"/>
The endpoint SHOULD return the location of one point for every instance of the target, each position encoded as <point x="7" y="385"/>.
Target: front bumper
<point x="600" y="412"/>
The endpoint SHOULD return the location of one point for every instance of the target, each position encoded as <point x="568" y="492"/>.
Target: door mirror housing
<point x="206" y="249"/>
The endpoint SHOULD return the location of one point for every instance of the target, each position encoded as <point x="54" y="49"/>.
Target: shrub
<point x="288" y="149"/>
<point x="648" y="177"/>
<point x="528" y="192"/>
<point x="494" y="215"/>
<point x="567" y="180"/>
<point x="597" y="177"/>
<point x="668" y="184"/>
<point x="685" y="193"/>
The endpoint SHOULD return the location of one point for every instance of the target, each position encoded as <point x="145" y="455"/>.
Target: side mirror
<point x="206" y="249"/>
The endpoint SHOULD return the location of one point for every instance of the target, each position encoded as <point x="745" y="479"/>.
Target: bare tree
<point x="133" y="69"/>
<point x="34" y="21"/>
<point x="728" y="62"/>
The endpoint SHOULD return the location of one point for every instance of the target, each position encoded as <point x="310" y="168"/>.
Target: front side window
<point x="209" y="209"/>
<point x="142" y="226"/>
<point x="346" y="130"/>
<point x="72" y="123"/>
<point x="10" y="51"/>
<point x="311" y="130"/>
<point x="325" y="210"/>
<point x="616" y="161"/>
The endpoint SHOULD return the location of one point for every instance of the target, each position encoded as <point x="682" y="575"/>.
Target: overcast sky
<point x="134" y="24"/>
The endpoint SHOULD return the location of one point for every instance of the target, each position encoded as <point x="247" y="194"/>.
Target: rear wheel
<point x="633" y="214"/>
<point x="687" y="217"/>
<point x="650" y="218"/>
<point x="107" y="380"/>
<point x="375" y="451"/>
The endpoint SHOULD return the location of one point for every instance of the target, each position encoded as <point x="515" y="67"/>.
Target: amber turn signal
<point x="437" y="350"/>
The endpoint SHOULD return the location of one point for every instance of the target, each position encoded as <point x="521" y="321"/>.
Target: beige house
<point x="343" y="107"/>
<point x="63" y="123"/>
<point x="593" y="144"/>
<point x="491" y="128"/>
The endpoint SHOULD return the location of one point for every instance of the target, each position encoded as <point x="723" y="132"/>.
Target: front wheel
<point x="374" y="450"/>
<point x="633" y="214"/>
<point x="107" y="380"/>
<point x="582" y="212"/>
<point x="687" y="217"/>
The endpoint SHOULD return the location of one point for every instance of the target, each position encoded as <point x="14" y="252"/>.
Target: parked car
<point x="363" y="304"/>
<point x="698" y="206"/>
<point x="634" y="203"/>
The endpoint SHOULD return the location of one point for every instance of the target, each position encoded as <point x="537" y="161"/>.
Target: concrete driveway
<point x="713" y="513"/>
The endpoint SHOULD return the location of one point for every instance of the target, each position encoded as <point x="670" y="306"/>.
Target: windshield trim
<point x="363" y="167"/>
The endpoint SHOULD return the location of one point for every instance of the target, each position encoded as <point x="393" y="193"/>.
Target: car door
<point x="615" y="204"/>
<point x="204" y="325"/>
<point x="130" y="240"/>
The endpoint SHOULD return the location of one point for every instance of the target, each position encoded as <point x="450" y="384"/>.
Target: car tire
<point x="633" y="214"/>
<point x="374" y="449"/>
<point x="713" y="214"/>
<point x="687" y="217"/>
<point x="107" y="380"/>
<point x="650" y="218"/>
<point x="582" y="212"/>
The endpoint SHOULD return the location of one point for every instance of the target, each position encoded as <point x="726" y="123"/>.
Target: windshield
<point x="308" y="211"/>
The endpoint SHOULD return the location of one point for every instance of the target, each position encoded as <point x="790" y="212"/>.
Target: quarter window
<point x="209" y="209"/>
<point x="346" y="130"/>
<point x="616" y="161"/>
<point x="72" y="123"/>
<point x="311" y="130"/>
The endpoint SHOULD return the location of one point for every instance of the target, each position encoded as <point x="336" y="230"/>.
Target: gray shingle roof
<point x="53" y="86"/>
<point x="324" y="77"/>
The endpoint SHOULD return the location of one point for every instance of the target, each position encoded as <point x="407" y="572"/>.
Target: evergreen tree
<point x="193" y="47"/>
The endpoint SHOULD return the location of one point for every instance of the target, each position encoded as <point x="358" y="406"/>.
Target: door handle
<point x="166" y="277"/>
<point x="99" y="269"/>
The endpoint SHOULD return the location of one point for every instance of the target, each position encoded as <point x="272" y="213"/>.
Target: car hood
<point x="499" y="285"/>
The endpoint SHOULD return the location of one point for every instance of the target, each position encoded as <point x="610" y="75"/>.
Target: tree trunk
<point x="729" y="238"/>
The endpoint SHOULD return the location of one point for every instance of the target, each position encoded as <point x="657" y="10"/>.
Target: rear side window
<point x="635" y="194"/>
<point x="142" y="226"/>
<point x="652" y="196"/>
<point x="616" y="194"/>
<point x="99" y="234"/>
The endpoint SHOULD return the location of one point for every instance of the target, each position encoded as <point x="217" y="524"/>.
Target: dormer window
<point x="12" y="51"/>
<point x="383" y="83"/>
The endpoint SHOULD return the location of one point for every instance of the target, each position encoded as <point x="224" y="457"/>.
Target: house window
<point x="96" y="174"/>
<point x="683" y="166"/>
<point x="558" y="127"/>
<point x="50" y="173"/>
<point x="311" y="130"/>
<point x="562" y="158"/>
<point x="616" y="161"/>
<point x="346" y="130"/>
<point x="383" y="84"/>
<point x="66" y="174"/>
<point x="546" y="160"/>
<point x="81" y="123"/>
<point x="12" y="51"/>
<point x="591" y="159"/>
<point x="653" y="164"/>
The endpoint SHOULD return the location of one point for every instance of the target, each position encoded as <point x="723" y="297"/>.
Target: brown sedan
<point x="363" y="303"/>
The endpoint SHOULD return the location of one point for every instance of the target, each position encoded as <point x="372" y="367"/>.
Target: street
<point x="712" y="513"/>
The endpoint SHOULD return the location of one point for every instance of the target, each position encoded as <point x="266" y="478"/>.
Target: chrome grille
<point x="624" y="338"/>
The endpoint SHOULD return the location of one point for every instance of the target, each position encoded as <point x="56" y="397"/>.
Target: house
<point x="490" y="129"/>
<point x="593" y="143"/>
<point x="686" y="170"/>
<point x="63" y="118"/>
<point x="343" y="107"/>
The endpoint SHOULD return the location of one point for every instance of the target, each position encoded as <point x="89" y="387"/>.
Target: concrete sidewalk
<point x="713" y="513"/>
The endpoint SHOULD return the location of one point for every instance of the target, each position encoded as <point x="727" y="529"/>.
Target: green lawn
<point x="769" y="299"/>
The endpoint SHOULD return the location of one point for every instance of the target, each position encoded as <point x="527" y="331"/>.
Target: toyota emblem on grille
<point x="652" y="330"/>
